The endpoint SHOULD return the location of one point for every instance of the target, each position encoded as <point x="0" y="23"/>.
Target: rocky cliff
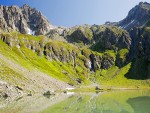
<point x="140" y="48"/>
<point x="138" y="16"/>
<point x="26" y="20"/>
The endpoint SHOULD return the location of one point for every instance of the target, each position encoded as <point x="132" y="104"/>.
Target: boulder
<point x="49" y="93"/>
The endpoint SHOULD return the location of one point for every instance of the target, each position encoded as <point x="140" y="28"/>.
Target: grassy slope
<point x="117" y="77"/>
<point x="7" y="74"/>
<point x="30" y="60"/>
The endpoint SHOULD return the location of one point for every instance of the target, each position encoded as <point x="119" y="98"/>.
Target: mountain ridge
<point x="23" y="20"/>
<point x="138" y="16"/>
<point x="81" y="55"/>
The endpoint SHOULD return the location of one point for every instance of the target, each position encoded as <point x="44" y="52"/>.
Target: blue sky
<point x="76" y="12"/>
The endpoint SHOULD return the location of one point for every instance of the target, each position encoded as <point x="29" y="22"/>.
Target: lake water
<point x="106" y="102"/>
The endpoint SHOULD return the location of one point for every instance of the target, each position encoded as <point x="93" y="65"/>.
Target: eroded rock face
<point x="110" y="37"/>
<point x="141" y="41"/>
<point x="60" y="53"/>
<point x="140" y="48"/>
<point x="95" y="62"/>
<point x="26" y="20"/>
<point x="101" y="37"/>
<point x="82" y="34"/>
<point x="11" y="41"/>
<point x="137" y="16"/>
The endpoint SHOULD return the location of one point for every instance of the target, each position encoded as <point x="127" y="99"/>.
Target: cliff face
<point x="140" y="48"/>
<point x="138" y="16"/>
<point x="99" y="37"/>
<point x="140" y="43"/>
<point x="26" y="20"/>
<point x="110" y="37"/>
<point x="62" y="52"/>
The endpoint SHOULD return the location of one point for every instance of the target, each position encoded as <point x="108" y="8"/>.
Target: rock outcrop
<point x="80" y="34"/>
<point x="140" y="42"/>
<point x="110" y="37"/>
<point x="100" y="37"/>
<point x="26" y="20"/>
<point x="62" y="52"/>
<point x="138" y="16"/>
<point x="140" y="51"/>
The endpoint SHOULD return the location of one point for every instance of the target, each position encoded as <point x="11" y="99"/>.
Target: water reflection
<point x="140" y="104"/>
<point x="108" y="102"/>
<point x="30" y="104"/>
<point x="102" y="102"/>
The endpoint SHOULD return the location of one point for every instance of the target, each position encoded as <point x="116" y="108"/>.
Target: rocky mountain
<point x="25" y="19"/>
<point x="81" y="55"/>
<point x="138" y="16"/>
<point x="111" y="38"/>
<point x="99" y="37"/>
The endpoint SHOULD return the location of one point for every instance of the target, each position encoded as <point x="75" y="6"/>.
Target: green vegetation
<point x="82" y="35"/>
<point x="117" y="31"/>
<point x="138" y="70"/>
<point x="98" y="46"/>
<point x="86" y="52"/>
<point x="119" y="79"/>
<point x="110" y="53"/>
<point x="30" y="60"/>
<point x="122" y="57"/>
<point x="7" y="74"/>
<point x="86" y="32"/>
<point x="66" y="62"/>
<point x="122" y="54"/>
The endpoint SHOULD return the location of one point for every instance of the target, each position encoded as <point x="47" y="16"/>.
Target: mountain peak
<point x="25" y="6"/>
<point x="137" y="16"/>
<point x="144" y="5"/>
<point x="25" y="19"/>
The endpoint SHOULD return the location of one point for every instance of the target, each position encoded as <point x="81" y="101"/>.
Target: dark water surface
<point x="107" y="102"/>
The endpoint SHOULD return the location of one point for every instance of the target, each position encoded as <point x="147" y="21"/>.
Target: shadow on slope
<point x="138" y="70"/>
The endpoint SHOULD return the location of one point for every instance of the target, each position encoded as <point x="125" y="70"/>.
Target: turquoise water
<point x="106" y="102"/>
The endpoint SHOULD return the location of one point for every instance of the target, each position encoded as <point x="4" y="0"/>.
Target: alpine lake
<point x="125" y="101"/>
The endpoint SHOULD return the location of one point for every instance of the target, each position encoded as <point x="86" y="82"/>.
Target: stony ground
<point x="33" y="81"/>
